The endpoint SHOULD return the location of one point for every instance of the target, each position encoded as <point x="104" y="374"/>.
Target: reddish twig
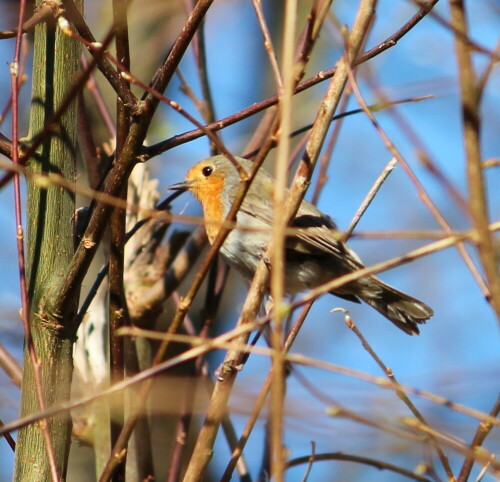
<point x="9" y="438"/>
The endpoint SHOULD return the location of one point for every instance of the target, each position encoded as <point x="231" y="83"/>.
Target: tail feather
<point x="403" y="310"/>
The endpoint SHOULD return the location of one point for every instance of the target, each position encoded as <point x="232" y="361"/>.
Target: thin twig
<point x="326" y="157"/>
<point x="9" y="439"/>
<point x="370" y="196"/>
<point x="486" y="75"/>
<point x="268" y="44"/>
<point x="100" y="103"/>
<point x="310" y="462"/>
<point x="207" y="108"/>
<point x="401" y="394"/>
<point x="378" y="464"/>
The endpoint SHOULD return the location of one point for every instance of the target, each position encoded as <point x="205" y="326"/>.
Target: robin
<point x="312" y="257"/>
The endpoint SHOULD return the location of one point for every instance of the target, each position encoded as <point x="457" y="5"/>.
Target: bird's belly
<point x="243" y="250"/>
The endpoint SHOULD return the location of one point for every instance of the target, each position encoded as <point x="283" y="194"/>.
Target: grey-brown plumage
<point x="314" y="255"/>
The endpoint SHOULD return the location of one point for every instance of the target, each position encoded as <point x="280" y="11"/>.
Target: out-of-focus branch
<point x="259" y="402"/>
<point x="43" y="12"/>
<point x="10" y="366"/>
<point x="482" y="432"/>
<point x="471" y="119"/>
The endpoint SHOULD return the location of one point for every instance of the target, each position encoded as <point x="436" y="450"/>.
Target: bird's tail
<point x="403" y="310"/>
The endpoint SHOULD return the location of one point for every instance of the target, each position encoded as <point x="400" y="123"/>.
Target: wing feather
<point x="315" y="234"/>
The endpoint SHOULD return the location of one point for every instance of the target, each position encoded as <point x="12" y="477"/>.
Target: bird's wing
<point x="315" y="233"/>
<point x="320" y="236"/>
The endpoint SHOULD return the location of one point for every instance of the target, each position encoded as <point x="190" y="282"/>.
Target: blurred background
<point x="457" y="353"/>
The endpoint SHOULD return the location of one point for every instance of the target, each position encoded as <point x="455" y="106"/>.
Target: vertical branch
<point x="131" y="148"/>
<point x="471" y="121"/>
<point x="278" y="236"/>
<point x="50" y="248"/>
<point x="118" y="313"/>
<point x="261" y="398"/>
<point x="217" y="408"/>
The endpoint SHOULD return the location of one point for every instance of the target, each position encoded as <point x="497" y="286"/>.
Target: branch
<point x="100" y="59"/>
<point x="257" y="107"/>
<point x="482" y="432"/>
<point x="378" y="464"/>
<point x="471" y="119"/>
<point x="10" y="366"/>
<point x="45" y="11"/>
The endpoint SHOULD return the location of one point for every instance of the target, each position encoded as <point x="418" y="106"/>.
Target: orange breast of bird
<point x="211" y="196"/>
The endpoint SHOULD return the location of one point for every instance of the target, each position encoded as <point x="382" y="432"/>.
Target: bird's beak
<point x="180" y="186"/>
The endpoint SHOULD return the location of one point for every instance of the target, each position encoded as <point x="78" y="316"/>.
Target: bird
<point x="314" y="254"/>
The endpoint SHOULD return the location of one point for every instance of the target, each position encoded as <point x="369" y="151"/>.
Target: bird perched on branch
<point x="314" y="254"/>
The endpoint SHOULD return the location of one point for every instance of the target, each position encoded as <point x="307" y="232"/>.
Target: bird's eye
<point x="207" y="170"/>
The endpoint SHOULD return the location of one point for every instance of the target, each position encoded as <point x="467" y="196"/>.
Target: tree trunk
<point x="49" y="252"/>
